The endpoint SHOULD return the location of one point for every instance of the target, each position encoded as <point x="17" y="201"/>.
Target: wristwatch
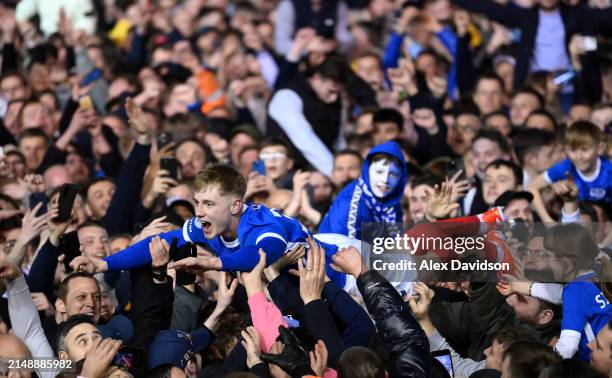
<point x="160" y="274"/>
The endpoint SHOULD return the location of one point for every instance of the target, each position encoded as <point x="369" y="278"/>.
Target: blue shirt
<point x="585" y="310"/>
<point x="598" y="187"/>
<point x="259" y="227"/>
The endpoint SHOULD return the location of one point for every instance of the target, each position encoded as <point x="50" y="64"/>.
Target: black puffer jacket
<point x="397" y="326"/>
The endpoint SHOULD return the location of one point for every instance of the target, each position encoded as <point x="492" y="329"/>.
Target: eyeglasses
<point x="272" y="156"/>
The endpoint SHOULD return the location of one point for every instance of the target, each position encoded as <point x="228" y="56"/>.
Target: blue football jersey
<point x="585" y="310"/>
<point x="595" y="188"/>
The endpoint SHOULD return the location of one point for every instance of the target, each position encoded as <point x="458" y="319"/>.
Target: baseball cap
<point x="509" y="196"/>
<point x="177" y="347"/>
<point x="120" y="327"/>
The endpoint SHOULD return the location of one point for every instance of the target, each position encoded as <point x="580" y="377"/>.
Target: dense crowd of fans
<point x="191" y="188"/>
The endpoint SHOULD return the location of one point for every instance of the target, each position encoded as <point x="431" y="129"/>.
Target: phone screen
<point x="445" y="358"/>
<point x="259" y="167"/>
<point x="129" y="357"/>
<point x="70" y="245"/>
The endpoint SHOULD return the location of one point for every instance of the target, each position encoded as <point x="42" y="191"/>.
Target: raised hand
<point x="312" y="276"/>
<point x="8" y="270"/>
<point x="90" y="265"/>
<point x="291" y="257"/>
<point x="160" y="252"/>
<point x="42" y="304"/>
<point x="138" y="122"/>
<point x="252" y="280"/>
<point x="100" y="357"/>
<point x="196" y="264"/>
<point x="252" y="344"/>
<point x="349" y="261"/>
<point x="439" y="204"/>
<point x="511" y="285"/>
<point x="226" y="292"/>
<point x="318" y="358"/>
<point x="157" y="226"/>
<point x="420" y="307"/>
<point x="34" y="183"/>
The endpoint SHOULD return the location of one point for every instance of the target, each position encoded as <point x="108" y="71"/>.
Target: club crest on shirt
<point x="597" y="193"/>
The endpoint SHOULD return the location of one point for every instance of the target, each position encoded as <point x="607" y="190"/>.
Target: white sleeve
<point x="25" y="10"/>
<point x="570" y="218"/>
<point x="463" y="367"/>
<point x="549" y="292"/>
<point x="568" y="343"/>
<point x="284" y="27"/>
<point x="286" y="109"/>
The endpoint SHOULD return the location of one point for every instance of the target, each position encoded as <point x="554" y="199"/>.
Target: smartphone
<point x="170" y="165"/>
<point x="92" y="76"/>
<point x="67" y="196"/>
<point x="259" y="166"/>
<point x="310" y="192"/>
<point x="444" y="356"/>
<point x="70" y="247"/>
<point x="563" y="78"/>
<point x="589" y="43"/>
<point x="519" y="229"/>
<point x="129" y="357"/>
<point x="35" y="199"/>
<point x="163" y="139"/>
<point x="454" y="166"/>
<point x="86" y="103"/>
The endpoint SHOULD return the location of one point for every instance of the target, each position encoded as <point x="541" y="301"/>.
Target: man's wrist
<point x="309" y="299"/>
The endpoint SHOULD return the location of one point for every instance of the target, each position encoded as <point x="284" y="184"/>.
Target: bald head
<point x="56" y="176"/>
<point x="12" y="347"/>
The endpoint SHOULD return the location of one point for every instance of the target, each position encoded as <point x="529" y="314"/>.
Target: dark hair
<point x="92" y="182"/>
<point x="490" y="76"/>
<point x="360" y="362"/>
<point x="509" y="335"/>
<point x="516" y="170"/>
<point x="545" y="113"/>
<point x="533" y="92"/>
<point x="276" y="141"/>
<point x="348" y="151"/>
<point x="62" y="290"/>
<point x="528" y="141"/>
<point x="529" y="358"/>
<point x="570" y="368"/>
<point x="425" y="179"/>
<point x="65" y="327"/>
<point x="382" y="156"/>
<point x="583" y="134"/>
<point x="494" y="136"/>
<point x="91" y="223"/>
<point x="33" y="133"/>
<point x="388" y="115"/>
<point x="333" y="68"/>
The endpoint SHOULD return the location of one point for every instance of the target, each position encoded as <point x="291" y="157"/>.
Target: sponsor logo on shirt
<point x="597" y="193"/>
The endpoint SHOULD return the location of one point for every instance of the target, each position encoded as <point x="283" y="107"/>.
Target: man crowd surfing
<point x="191" y="188"/>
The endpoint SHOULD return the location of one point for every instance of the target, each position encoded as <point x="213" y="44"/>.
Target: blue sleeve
<point x="138" y="254"/>
<point x="246" y="258"/>
<point x="574" y="307"/>
<point x="450" y="41"/>
<point x="359" y="327"/>
<point x="558" y="171"/>
<point x="393" y="50"/>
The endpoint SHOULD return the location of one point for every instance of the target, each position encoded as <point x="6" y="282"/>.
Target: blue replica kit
<point x="259" y="227"/>
<point x="585" y="310"/>
<point x="595" y="188"/>
<point x="356" y="204"/>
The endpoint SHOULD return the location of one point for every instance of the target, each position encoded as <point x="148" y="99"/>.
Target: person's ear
<point x="290" y="163"/>
<point x="62" y="355"/>
<point x="545" y="316"/>
<point x="60" y="306"/>
<point x="601" y="148"/>
<point x="236" y="206"/>
<point x="88" y="210"/>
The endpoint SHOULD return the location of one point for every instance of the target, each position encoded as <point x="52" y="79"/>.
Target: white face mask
<point x="385" y="176"/>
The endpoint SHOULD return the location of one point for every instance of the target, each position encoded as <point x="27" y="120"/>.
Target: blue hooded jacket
<point x="350" y="210"/>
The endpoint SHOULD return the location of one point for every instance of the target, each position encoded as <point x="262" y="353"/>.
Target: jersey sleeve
<point x="575" y="305"/>
<point x="558" y="171"/>
<point x="138" y="255"/>
<point x="193" y="232"/>
<point x="271" y="239"/>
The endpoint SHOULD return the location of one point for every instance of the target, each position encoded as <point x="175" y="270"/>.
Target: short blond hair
<point x="224" y="177"/>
